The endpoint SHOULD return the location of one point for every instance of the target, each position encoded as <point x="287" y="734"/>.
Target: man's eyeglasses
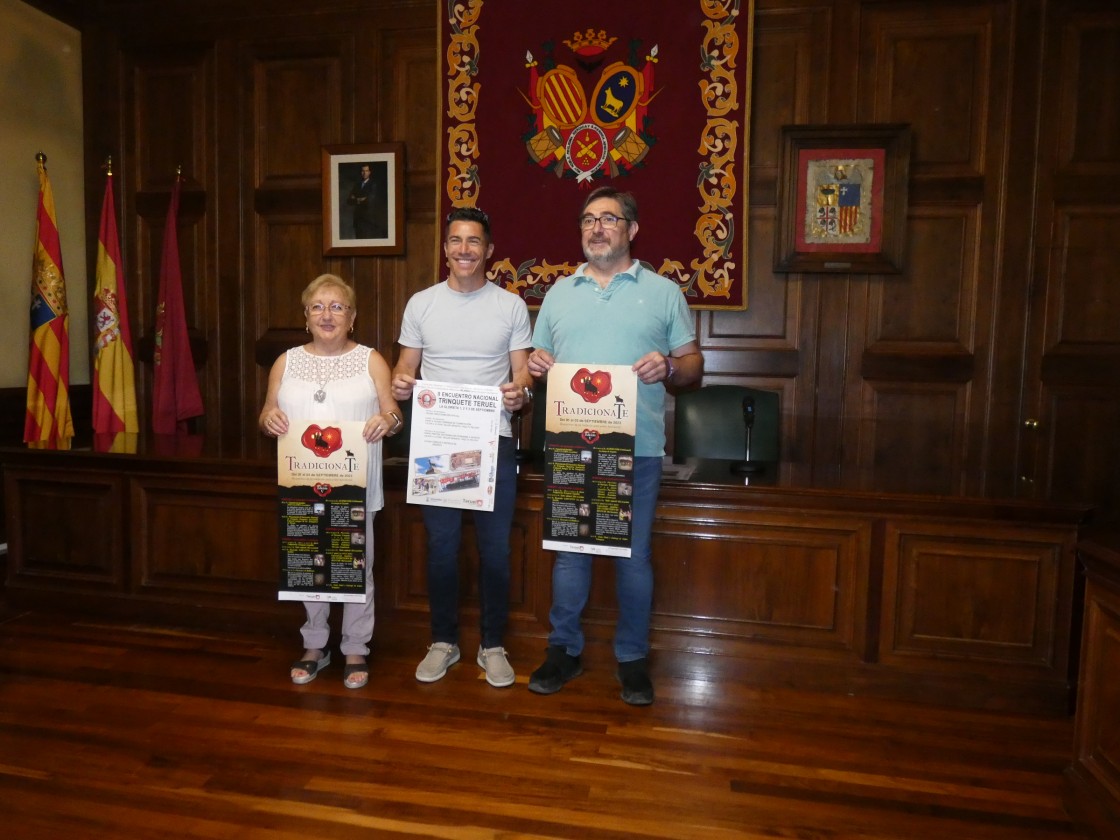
<point x="609" y="221"/>
<point x="319" y="308"/>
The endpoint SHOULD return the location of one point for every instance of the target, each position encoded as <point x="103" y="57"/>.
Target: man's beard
<point x="607" y="257"/>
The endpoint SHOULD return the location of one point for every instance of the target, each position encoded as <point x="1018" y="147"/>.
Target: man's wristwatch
<point x="669" y="365"/>
<point x="528" y="392"/>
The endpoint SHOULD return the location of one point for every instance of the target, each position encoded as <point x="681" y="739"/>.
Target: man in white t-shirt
<point x="467" y="330"/>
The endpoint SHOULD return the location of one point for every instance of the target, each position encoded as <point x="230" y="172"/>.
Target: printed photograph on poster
<point x="453" y="448"/>
<point x="590" y="423"/>
<point x="321" y="474"/>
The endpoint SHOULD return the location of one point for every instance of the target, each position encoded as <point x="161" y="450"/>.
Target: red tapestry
<point x="543" y="103"/>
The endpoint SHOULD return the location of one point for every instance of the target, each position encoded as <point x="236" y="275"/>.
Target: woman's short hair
<point x="323" y="281"/>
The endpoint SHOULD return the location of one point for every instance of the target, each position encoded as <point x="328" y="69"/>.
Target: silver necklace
<point x="321" y="394"/>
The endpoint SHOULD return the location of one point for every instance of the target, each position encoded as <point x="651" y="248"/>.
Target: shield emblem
<point x="616" y="95"/>
<point x="561" y="97"/>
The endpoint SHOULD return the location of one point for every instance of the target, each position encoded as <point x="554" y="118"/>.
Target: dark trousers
<point x="444" y="526"/>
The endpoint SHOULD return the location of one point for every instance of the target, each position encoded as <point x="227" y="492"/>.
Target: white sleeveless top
<point x="349" y="395"/>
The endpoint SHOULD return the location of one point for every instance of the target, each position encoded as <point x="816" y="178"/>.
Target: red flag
<point x="175" y="397"/>
<point x="48" y="424"/>
<point x="114" y="379"/>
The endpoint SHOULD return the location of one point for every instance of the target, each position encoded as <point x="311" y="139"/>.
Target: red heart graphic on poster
<point x="322" y="441"/>
<point x="322" y="489"/>
<point x="589" y="436"/>
<point x="591" y="386"/>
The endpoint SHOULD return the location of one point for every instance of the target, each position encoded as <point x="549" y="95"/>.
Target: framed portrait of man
<point x="363" y="199"/>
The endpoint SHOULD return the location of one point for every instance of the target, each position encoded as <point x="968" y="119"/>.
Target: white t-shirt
<point x="466" y="338"/>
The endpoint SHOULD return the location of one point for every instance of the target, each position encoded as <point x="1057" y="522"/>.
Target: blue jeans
<point x="444" y="527"/>
<point x="571" y="578"/>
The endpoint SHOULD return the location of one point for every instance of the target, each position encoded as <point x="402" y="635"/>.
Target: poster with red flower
<point x="324" y="527"/>
<point x="590" y="423"/>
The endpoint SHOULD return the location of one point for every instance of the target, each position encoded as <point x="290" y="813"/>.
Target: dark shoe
<point x="637" y="689"/>
<point x="558" y="668"/>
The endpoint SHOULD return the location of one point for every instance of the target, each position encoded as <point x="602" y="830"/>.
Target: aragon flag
<point x="114" y="378"/>
<point x="175" y="394"/>
<point x="48" y="424"/>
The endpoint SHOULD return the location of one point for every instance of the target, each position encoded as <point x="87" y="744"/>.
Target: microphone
<point x="747" y="465"/>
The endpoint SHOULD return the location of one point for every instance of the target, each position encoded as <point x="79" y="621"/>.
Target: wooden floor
<point x="112" y="730"/>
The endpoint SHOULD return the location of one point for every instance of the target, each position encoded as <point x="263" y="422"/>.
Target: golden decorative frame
<point x="338" y="163"/>
<point x="708" y="281"/>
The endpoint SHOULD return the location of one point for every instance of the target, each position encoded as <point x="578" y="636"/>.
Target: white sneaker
<point x="494" y="662"/>
<point x="441" y="656"/>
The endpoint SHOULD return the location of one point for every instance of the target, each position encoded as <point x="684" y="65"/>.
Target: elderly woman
<point x="333" y="378"/>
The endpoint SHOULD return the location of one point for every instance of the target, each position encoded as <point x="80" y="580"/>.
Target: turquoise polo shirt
<point x="637" y="312"/>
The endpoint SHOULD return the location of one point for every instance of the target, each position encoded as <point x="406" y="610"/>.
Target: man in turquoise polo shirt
<point x="615" y="311"/>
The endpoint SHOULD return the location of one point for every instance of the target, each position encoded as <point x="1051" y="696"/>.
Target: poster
<point x="590" y="423"/>
<point x="321" y="471"/>
<point x="453" y="449"/>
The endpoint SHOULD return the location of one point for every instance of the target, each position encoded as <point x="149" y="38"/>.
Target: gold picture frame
<point x="363" y="217"/>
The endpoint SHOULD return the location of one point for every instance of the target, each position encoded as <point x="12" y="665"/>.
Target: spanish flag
<point x="114" y="379"/>
<point x="175" y="394"/>
<point x="48" y="424"/>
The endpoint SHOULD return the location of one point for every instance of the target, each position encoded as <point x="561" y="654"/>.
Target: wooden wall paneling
<point x="1003" y="434"/>
<point x="796" y="582"/>
<point x="204" y="536"/>
<point x="1080" y="370"/>
<point x="1076" y="329"/>
<point x="104" y="107"/>
<point x="1076" y="471"/>
<point x="1093" y="777"/>
<point x="910" y="441"/>
<point x="169" y="99"/>
<point x="65" y="527"/>
<point x="234" y="325"/>
<point x="776" y="342"/>
<point x="947" y="593"/>
<point x="945" y="75"/>
<point x="914" y="434"/>
<point x="409" y="113"/>
<point x="294" y="105"/>
<point x="783" y="43"/>
<point x="1089" y="142"/>
<point x="935" y="72"/>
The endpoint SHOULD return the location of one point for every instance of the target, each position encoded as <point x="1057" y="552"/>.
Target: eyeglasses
<point x="336" y="308"/>
<point x="609" y="221"/>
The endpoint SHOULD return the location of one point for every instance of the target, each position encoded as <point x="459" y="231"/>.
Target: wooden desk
<point x="951" y="600"/>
